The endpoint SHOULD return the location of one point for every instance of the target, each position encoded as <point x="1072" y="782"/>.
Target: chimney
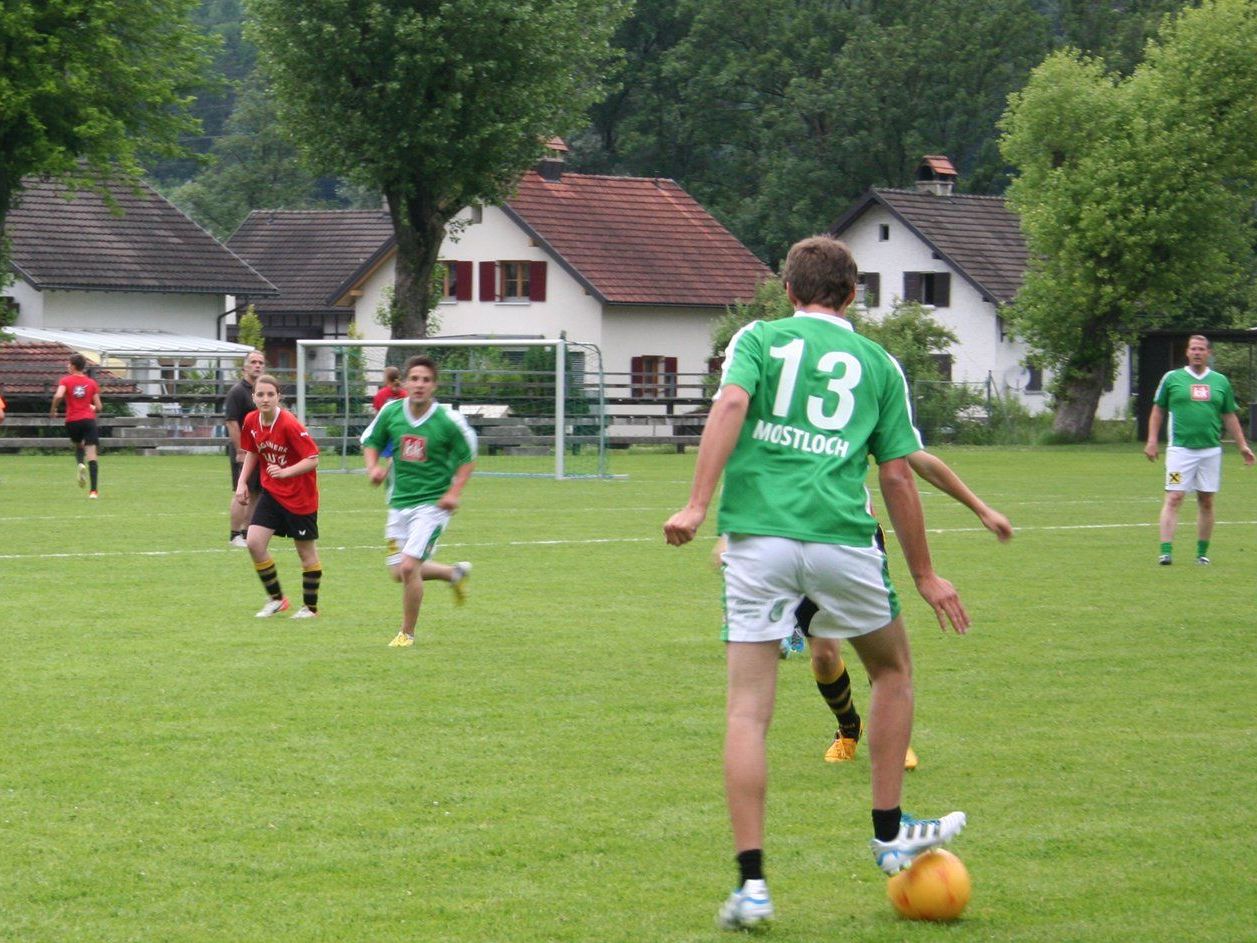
<point x="935" y="175"/>
<point x="551" y="165"/>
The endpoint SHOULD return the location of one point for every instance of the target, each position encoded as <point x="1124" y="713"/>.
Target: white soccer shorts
<point x="767" y="577"/>
<point x="1193" y="469"/>
<point x="414" y="532"/>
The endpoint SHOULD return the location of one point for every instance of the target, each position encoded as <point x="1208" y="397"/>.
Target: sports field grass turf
<point x="545" y="763"/>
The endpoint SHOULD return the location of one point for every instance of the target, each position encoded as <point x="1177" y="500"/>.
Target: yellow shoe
<point x="462" y="573"/>
<point x="842" y="750"/>
<point x="402" y="640"/>
<point x="910" y="759"/>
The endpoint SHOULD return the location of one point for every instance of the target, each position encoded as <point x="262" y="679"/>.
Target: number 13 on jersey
<point x="844" y="375"/>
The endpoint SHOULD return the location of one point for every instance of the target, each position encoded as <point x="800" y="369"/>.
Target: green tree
<point x="434" y="105"/>
<point x="1135" y="195"/>
<point x="250" y="329"/>
<point x="86" y="89"/>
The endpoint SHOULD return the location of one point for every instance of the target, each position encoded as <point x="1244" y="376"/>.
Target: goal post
<point x="524" y="416"/>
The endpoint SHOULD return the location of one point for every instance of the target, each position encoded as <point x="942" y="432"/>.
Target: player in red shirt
<point x="392" y="389"/>
<point x="82" y="403"/>
<point x="275" y="440"/>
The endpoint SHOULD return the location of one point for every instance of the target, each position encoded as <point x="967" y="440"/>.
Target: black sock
<point x="91" y="468"/>
<point x="837" y="694"/>
<point x="886" y="823"/>
<point x="310" y="587"/>
<point x="269" y="578"/>
<point x="751" y="865"/>
<point x="79" y="454"/>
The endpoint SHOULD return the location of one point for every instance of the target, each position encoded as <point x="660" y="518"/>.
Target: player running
<point x="275" y="441"/>
<point x="433" y="456"/>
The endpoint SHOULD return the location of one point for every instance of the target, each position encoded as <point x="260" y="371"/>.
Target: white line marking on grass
<point x="586" y="541"/>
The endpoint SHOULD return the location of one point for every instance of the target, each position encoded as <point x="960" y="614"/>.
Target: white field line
<point x="584" y="541"/>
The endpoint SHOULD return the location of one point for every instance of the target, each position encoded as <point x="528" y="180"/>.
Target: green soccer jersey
<point x="1196" y="406"/>
<point x="426" y="451"/>
<point x="823" y="399"/>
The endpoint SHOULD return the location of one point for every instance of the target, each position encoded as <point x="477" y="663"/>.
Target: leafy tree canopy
<point x="1135" y="195"/>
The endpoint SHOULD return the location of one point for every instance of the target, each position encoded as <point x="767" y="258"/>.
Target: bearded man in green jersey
<point x="1199" y="402"/>
<point x="433" y="456"/>
<point x="803" y="402"/>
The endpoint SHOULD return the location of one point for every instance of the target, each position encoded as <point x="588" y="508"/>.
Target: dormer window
<point x="883" y="232"/>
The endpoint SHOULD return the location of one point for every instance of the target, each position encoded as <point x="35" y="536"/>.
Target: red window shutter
<point x="942" y="289"/>
<point x="536" y="281"/>
<point x="911" y="286"/>
<point x="488" y="281"/>
<point x="670" y="375"/>
<point x="463" y="274"/>
<point x="635" y="376"/>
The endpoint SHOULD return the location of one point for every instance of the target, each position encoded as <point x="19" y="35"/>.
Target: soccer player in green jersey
<point x="803" y="403"/>
<point x="433" y="456"/>
<point x="1199" y="402"/>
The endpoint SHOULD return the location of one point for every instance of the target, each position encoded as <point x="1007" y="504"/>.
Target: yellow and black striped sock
<point x="269" y="577"/>
<point x="837" y="694"/>
<point x="310" y="577"/>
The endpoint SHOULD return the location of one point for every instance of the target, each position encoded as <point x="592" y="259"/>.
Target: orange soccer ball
<point x="934" y="887"/>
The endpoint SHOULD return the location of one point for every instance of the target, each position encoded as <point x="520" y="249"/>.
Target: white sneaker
<point x="915" y="836"/>
<point x="238" y="541"/>
<point x="748" y="906"/>
<point x="82" y="475"/>
<point x="458" y="582"/>
<point x="305" y="612"/>
<point x="272" y="606"/>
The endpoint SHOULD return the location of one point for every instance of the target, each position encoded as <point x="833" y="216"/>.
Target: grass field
<point x="544" y="765"/>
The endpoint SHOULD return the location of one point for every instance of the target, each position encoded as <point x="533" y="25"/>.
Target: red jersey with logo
<point x="386" y="393"/>
<point x="80" y="392"/>
<point x="284" y="442"/>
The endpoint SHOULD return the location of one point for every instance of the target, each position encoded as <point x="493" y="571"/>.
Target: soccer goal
<point x="537" y="404"/>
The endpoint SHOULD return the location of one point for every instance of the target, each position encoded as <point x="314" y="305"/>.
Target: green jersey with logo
<point x="823" y="399"/>
<point x="427" y="450"/>
<point x="1196" y="406"/>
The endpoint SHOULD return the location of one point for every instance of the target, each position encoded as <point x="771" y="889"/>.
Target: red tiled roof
<point x="30" y="368"/>
<point x="309" y="254"/>
<point x="65" y="240"/>
<point x="978" y="235"/>
<point x="635" y="240"/>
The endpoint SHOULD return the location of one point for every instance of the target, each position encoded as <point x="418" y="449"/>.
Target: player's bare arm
<point x="720" y="435"/>
<point x="57" y="397"/>
<point x="1236" y="432"/>
<point x="306" y="465"/>
<point x="453" y="496"/>
<point x="376" y="472"/>
<point x="246" y="469"/>
<point x="938" y="473"/>
<point x="1152" y="447"/>
<point x="903" y="504"/>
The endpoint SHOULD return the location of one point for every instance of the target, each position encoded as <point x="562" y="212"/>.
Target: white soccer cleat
<point x="305" y="612"/>
<point x="272" y="606"/>
<point x="747" y="907"/>
<point x="82" y="475"/>
<point x="458" y="582"/>
<point x="238" y="541"/>
<point x="915" y="836"/>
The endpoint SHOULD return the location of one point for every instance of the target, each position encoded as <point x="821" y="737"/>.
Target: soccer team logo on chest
<point x="1201" y="392"/>
<point x="414" y="448"/>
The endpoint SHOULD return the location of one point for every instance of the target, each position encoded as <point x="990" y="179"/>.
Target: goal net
<point x="537" y="405"/>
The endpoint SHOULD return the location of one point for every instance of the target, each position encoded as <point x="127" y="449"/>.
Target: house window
<point x="928" y="288"/>
<point x="477" y="214"/>
<point x="943" y="362"/>
<point x="1035" y="383"/>
<point x="868" y="289"/>
<point x="653" y="376"/>
<point x="457" y="282"/>
<point x="513" y="281"/>
<point x="883" y="232"/>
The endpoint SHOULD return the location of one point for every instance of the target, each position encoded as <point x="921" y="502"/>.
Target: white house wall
<point x="196" y="315"/>
<point x="979" y="350"/>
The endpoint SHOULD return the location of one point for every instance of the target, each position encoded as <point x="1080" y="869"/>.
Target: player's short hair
<point x="1202" y="338"/>
<point x="78" y="362"/>
<point x="391" y="374"/>
<point x="422" y="360"/>
<point x="820" y="270"/>
<point x="267" y="378"/>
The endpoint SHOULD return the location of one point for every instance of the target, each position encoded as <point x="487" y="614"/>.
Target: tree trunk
<point x="1080" y="387"/>
<point x="419" y="228"/>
